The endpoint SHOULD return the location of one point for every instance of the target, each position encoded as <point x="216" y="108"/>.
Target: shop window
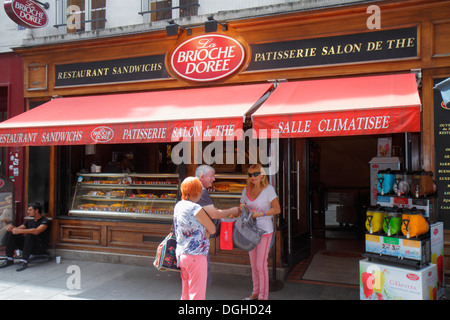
<point x="38" y="175"/>
<point x="69" y="162"/>
<point x="38" y="171"/>
<point x="156" y="10"/>
<point x="80" y="15"/>
<point x="78" y="159"/>
<point x="188" y="8"/>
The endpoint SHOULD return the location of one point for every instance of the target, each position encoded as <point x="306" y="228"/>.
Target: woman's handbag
<point x="166" y="259"/>
<point x="246" y="235"/>
<point x="226" y="234"/>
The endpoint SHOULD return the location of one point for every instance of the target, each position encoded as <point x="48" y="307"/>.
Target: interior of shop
<point x="340" y="183"/>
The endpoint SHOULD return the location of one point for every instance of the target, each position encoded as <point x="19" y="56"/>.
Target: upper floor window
<point x="80" y="15"/>
<point x="155" y="10"/>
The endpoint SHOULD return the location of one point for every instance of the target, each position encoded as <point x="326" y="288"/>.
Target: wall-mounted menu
<point x="442" y="149"/>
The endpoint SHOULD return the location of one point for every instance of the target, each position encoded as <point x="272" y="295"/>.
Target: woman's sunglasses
<point x="254" y="174"/>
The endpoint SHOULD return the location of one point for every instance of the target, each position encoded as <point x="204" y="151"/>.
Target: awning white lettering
<point x="18" y="138"/>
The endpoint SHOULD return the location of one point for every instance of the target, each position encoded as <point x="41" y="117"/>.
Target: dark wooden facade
<point x="431" y="17"/>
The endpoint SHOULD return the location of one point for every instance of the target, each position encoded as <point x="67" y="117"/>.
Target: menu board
<point x="442" y="149"/>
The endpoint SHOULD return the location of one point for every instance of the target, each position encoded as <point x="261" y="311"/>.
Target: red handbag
<point x="226" y="235"/>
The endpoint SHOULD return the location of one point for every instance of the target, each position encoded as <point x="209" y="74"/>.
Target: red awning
<point x="162" y="116"/>
<point x="340" y="107"/>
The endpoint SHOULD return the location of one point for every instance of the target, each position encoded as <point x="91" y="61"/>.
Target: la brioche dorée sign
<point x="26" y="13"/>
<point x="207" y="57"/>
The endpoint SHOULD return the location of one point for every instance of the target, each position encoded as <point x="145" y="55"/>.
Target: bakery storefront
<point x="123" y="119"/>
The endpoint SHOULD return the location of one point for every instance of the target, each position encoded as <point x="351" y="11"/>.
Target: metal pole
<point x="289" y="213"/>
<point x="45" y="5"/>
<point x="407" y="151"/>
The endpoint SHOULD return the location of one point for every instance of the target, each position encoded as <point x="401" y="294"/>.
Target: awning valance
<point x="340" y="107"/>
<point x="215" y="113"/>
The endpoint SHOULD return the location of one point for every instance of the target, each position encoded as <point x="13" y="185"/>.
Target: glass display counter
<point x="128" y="196"/>
<point x="227" y="190"/>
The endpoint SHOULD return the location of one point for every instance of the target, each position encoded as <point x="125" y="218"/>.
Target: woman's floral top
<point x="190" y="234"/>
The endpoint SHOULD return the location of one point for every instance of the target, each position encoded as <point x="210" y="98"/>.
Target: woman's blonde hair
<point x="190" y="187"/>
<point x="258" y="168"/>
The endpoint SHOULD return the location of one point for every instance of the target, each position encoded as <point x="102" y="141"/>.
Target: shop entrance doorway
<point x="339" y="181"/>
<point x="294" y="199"/>
<point x="325" y="190"/>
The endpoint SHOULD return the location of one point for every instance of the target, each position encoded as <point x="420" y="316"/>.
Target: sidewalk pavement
<point x="88" y="280"/>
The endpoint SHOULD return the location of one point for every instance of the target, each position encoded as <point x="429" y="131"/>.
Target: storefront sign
<point x="170" y="131"/>
<point x="208" y="57"/>
<point x="111" y="71"/>
<point x="26" y="13"/>
<point x="442" y="149"/>
<point x="354" y="48"/>
<point x="341" y="123"/>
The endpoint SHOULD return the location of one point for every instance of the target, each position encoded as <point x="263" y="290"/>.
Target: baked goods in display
<point x="140" y="195"/>
<point x="86" y="206"/>
<point x="225" y="186"/>
<point x="96" y="193"/>
<point x="143" y="195"/>
<point x="237" y="187"/>
<point x="116" y="207"/>
<point x="168" y="195"/>
<point x="116" y="193"/>
<point x="111" y="181"/>
<point x="155" y="182"/>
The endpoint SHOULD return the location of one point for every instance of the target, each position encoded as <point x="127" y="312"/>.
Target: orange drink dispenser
<point x="414" y="224"/>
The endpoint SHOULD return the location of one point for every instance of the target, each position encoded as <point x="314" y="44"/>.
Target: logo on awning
<point x="207" y="57"/>
<point x="102" y="134"/>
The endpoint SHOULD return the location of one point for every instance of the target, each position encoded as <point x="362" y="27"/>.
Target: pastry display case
<point x="128" y="196"/>
<point x="227" y="190"/>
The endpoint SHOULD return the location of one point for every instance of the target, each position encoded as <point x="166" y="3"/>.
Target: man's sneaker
<point x="7" y="263"/>
<point x="22" y="266"/>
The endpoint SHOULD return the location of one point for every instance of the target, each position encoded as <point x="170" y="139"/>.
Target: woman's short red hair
<point x="190" y="187"/>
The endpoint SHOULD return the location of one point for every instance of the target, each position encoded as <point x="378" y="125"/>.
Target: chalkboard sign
<point x="442" y="149"/>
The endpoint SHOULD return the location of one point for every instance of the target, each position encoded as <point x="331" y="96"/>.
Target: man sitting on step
<point x="31" y="237"/>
